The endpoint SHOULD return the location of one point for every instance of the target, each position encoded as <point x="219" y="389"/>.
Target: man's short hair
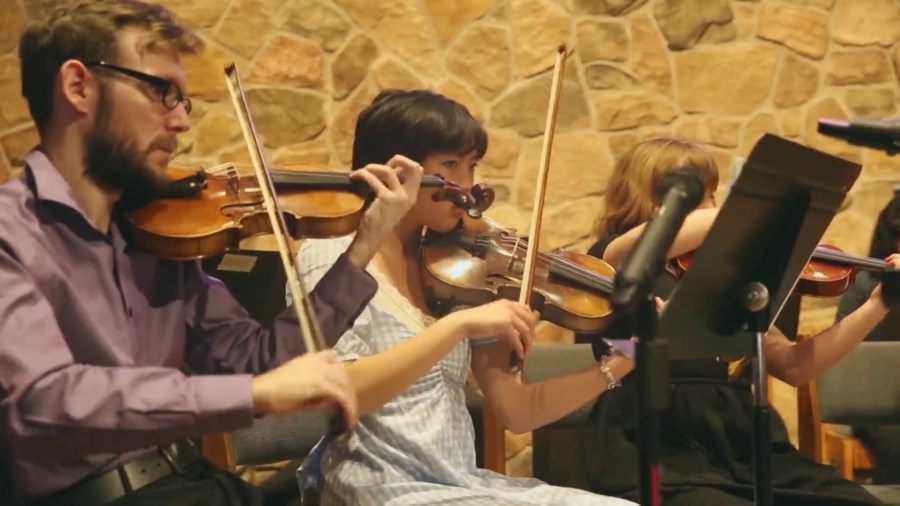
<point x="87" y="30"/>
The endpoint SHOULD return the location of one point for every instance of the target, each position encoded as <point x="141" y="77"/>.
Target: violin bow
<point x="494" y="431"/>
<point x="309" y="325"/>
<point x="540" y="192"/>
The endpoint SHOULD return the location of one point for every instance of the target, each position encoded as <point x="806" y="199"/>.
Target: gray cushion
<point x="274" y="439"/>
<point x="861" y="388"/>
<point x="546" y="361"/>
<point x="888" y="494"/>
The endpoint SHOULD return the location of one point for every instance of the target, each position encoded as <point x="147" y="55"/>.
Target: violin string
<point x="569" y="266"/>
<point x="566" y="265"/>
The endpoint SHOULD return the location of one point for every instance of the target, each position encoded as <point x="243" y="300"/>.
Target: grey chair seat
<point x="558" y="447"/>
<point x="887" y="494"/>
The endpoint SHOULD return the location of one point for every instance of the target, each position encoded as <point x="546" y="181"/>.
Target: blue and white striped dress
<point x="419" y="448"/>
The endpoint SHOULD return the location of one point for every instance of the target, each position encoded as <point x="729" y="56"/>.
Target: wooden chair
<point x="825" y="442"/>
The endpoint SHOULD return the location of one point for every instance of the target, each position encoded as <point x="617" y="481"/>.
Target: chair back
<point x="861" y="389"/>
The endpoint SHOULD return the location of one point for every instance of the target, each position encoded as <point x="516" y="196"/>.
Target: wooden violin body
<point x="230" y="208"/>
<point x="829" y="273"/>
<point x="481" y="262"/>
<point x="206" y="213"/>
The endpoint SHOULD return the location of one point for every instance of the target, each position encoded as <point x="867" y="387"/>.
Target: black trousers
<point x="201" y="485"/>
<point x="884" y="440"/>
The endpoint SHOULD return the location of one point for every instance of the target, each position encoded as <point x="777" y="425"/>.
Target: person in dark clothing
<point x="707" y="430"/>
<point x="884" y="440"/>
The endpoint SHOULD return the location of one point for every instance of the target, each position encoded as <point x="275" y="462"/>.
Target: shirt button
<point x="130" y="312"/>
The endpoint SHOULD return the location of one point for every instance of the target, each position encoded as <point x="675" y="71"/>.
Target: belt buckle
<point x="172" y="461"/>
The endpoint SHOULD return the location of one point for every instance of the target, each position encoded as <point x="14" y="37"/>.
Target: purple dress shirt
<point x="106" y="351"/>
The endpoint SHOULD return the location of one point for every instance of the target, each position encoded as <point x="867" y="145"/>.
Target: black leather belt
<point x="127" y="478"/>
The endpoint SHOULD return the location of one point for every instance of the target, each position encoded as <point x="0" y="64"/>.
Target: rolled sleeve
<point x="341" y="295"/>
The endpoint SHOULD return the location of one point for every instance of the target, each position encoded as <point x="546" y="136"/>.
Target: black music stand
<point x="749" y="263"/>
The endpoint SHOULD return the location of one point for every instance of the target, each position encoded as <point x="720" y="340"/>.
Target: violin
<point x="481" y="261"/>
<point x="829" y="273"/>
<point x="202" y="213"/>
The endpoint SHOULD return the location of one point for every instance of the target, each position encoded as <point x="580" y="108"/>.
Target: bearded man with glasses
<point x="111" y="358"/>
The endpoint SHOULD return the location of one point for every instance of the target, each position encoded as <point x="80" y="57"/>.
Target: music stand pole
<point x="652" y="369"/>
<point x="755" y="300"/>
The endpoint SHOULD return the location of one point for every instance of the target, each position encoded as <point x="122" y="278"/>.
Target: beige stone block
<point x="759" y="125"/>
<point x="683" y="23"/>
<point x="448" y="18"/>
<point x="720" y="132"/>
<point x="502" y="153"/>
<point x="315" y="153"/>
<point x="396" y="24"/>
<point x="524" y="106"/>
<point x="390" y="73"/>
<point x="602" y="40"/>
<point x="572" y="221"/>
<point x="797" y="82"/>
<point x="623" y="110"/>
<point x="317" y="21"/>
<point x="286" y="116"/>
<point x="803" y="29"/>
<point x="865" y="22"/>
<point x="549" y="333"/>
<point x="650" y="60"/>
<point x="611" y="7"/>
<point x="879" y="164"/>
<point x="12" y="21"/>
<point x="538" y="28"/>
<point x="457" y="91"/>
<point x="290" y="60"/>
<point x="827" y="108"/>
<point x="515" y="443"/>
<point x="344" y="123"/>
<point x="879" y="102"/>
<point x="215" y="131"/>
<point x="237" y="154"/>
<point x="19" y="143"/>
<point x="510" y="217"/>
<point x="197" y="13"/>
<point x="481" y="58"/>
<point x="896" y="57"/>
<point x="580" y="166"/>
<point x="601" y="76"/>
<point x="351" y="65"/>
<point x="718" y="34"/>
<point x="5" y="168"/>
<point x="204" y="72"/>
<point x="245" y="24"/>
<point x="822" y="4"/>
<point x="13" y="107"/>
<point x="736" y="79"/>
<point x="851" y="232"/>
<point x="859" y="67"/>
<point x="792" y="122"/>
<point x="620" y="143"/>
<point x="520" y="464"/>
<point x="745" y="20"/>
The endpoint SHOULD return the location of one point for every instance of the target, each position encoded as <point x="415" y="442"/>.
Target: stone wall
<point x="721" y="72"/>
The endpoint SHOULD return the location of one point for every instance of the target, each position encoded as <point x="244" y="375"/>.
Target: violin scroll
<point x="474" y="203"/>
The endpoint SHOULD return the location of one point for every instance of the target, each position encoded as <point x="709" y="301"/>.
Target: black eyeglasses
<point x="169" y="92"/>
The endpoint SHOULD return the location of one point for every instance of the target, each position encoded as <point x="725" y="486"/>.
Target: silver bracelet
<point x="611" y="381"/>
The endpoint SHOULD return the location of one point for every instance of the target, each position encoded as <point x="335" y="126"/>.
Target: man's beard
<point x="114" y="162"/>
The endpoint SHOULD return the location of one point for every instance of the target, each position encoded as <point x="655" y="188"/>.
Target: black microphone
<point x="680" y="193"/>
<point x="873" y="133"/>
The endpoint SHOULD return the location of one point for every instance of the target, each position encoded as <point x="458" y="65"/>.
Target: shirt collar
<point x="50" y="186"/>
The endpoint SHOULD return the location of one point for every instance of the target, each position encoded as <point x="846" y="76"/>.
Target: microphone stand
<point x="633" y="296"/>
